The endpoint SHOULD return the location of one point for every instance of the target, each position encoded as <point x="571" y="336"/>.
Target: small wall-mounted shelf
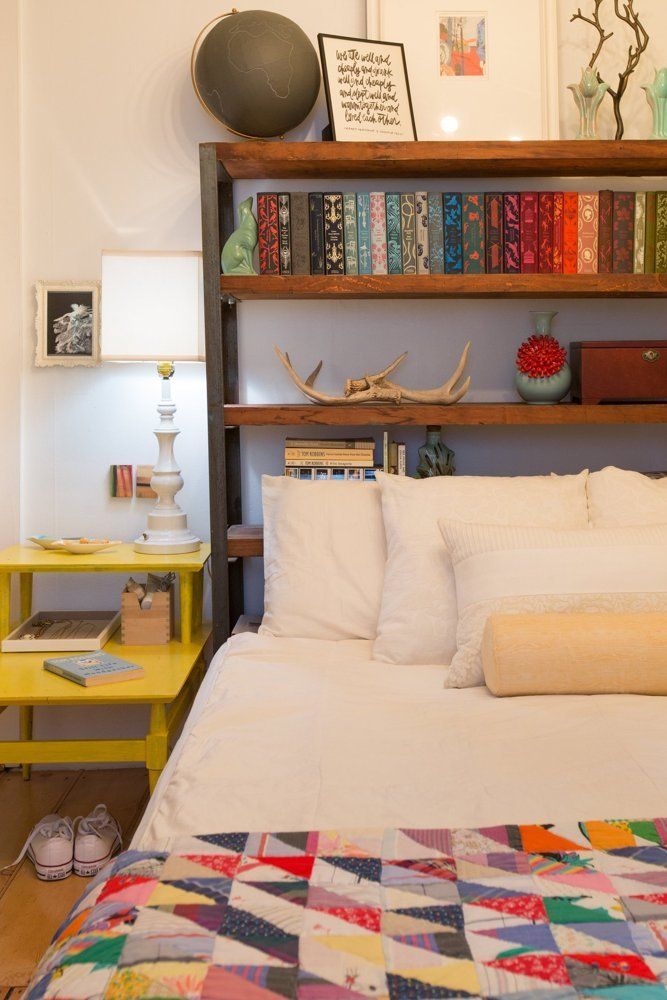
<point x="444" y="286"/>
<point x="458" y="415"/>
<point x="245" y="540"/>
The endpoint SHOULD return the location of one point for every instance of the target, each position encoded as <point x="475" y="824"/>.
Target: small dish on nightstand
<point x="85" y="546"/>
<point x="48" y="541"/>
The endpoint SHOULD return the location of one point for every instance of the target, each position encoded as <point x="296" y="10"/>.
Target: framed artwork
<point x="68" y="323"/>
<point x="367" y="89"/>
<point x="479" y="69"/>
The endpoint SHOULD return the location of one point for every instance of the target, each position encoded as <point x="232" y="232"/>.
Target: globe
<point x="256" y="72"/>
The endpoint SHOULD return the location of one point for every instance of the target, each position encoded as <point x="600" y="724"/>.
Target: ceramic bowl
<point x="79" y="547"/>
<point x="48" y="541"/>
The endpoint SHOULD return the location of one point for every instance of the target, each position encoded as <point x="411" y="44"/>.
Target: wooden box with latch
<point x="146" y="616"/>
<point x="619" y="371"/>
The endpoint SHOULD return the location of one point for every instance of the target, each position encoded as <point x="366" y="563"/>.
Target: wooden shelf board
<point x="458" y="415"/>
<point x="567" y="158"/>
<point x="245" y="540"/>
<point x="441" y="286"/>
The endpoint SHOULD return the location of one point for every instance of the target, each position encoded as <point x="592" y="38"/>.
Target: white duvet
<point x="297" y="734"/>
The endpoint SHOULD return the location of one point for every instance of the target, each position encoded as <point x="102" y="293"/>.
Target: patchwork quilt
<point x="551" y="911"/>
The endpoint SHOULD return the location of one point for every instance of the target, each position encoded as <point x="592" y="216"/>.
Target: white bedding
<point x="297" y="734"/>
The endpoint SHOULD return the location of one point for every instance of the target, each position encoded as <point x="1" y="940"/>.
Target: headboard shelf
<point x="458" y="415"/>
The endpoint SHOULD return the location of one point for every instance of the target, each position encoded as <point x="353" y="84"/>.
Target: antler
<point x="374" y="388"/>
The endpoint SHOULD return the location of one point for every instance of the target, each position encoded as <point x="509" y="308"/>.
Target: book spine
<point x="350" y="232"/>
<point x="393" y="458"/>
<point x="385" y="452"/>
<point x="606" y="233"/>
<point x="588" y="229"/>
<point x="649" y="253"/>
<point x="472" y="215"/>
<point x="570" y="231"/>
<point x="436" y="233"/>
<point x="493" y="207"/>
<point x="300" y="238"/>
<point x="393" y="214"/>
<point x="421" y="226"/>
<point x="334" y="249"/>
<point x="364" y="232"/>
<point x="284" y="234"/>
<point x="378" y="233"/>
<point x="511" y="233"/>
<point x="314" y="454"/>
<point x="408" y="234"/>
<point x="401" y="459"/>
<point x="558" y="232"/>
<point x="452" y="235"/>
<point x="624" y="232"/>
<point x="267" y="224"/>
<point x="316" y="227"/>
<point x="329" y="463"/>
<point x="329" y="445"/>
<point x="529" y="232"/>
<point x="640" y="232"/>
<point x="55" y="669"/>
<point x="661" y="233"/>
<point x="546" y="231"/>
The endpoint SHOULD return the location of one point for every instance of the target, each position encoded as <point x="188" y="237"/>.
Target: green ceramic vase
<point x="542" y="391"/>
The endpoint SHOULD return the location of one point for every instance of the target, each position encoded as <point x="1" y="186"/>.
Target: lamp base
<point x="166" y="542"/>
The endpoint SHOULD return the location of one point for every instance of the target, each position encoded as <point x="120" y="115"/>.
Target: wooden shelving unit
<point x="224" y="163"/>
<point x="445" y="286"/>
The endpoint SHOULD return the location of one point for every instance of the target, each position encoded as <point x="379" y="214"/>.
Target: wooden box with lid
<point x="619" y="371"/>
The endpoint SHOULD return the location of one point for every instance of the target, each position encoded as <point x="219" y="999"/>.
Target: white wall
<point x="10" y="254"/>
<point x="110" y="132"/>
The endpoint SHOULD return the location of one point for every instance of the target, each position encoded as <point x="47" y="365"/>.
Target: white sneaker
<point x="50" y="847"/>
<point x="98" y="838"/>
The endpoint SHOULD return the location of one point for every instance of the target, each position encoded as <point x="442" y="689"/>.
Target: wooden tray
<point x="107" y="623"/>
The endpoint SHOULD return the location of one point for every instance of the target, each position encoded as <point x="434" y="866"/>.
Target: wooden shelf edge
<point x="546" y="158"/>
<point x="245" y="540"/>
<point x="436" y="286"/>
<point x="458" y="415"/>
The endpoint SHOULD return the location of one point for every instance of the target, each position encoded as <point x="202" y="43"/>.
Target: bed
<point x="288" y="736"/>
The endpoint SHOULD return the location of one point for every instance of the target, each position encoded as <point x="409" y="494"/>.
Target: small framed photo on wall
<point x="68" y="323"/>
<point x="367" y="90"/>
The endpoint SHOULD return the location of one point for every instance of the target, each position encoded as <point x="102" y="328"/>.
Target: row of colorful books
<point x="528" y="232"/>
<point x="350" y="459"/>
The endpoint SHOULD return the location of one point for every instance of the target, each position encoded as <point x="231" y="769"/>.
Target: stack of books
<point x="522" y="232"/>
<point x="351" y="459"/>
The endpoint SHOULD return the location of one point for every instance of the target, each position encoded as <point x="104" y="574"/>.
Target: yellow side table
<point x="173" y="672"/>
<point x="26" y="560"/>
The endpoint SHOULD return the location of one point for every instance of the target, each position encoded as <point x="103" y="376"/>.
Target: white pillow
<point x="508" y="570"/>
<point x="617" y="497"/>
<point x="324" y="556"/>
<point x="418" y="614"/>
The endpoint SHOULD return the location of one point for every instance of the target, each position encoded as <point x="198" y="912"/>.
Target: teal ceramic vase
<point x="435" y="458"/>
<point x="588" y="96"/>
<point x="656" y="95"/>
<point x="544" y="391"/>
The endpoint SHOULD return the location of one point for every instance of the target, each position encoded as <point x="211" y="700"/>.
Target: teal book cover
<point x="472" y="213"/>
<point x="364" y="232"/>
<point x="93" y="668"/>
<point x="409" y="234"/>
<point x="436" y="232"/>
<point x="350" y="232"/>
<point x="394" y="255"/>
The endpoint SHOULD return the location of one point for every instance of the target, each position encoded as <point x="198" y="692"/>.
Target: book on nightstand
<point x="89" y="669"/>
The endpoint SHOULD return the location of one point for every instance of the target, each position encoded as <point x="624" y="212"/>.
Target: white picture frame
<point x="516" y="97"/>
<point x="367" y="89"/>
<point x="68" y="324"/>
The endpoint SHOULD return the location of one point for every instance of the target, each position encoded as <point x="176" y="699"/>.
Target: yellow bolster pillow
<point x="592" y="653"/>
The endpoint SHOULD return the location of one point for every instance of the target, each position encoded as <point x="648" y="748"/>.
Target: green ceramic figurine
<point x="588" y="96"/>
<point x="435" y="458"/>
<point x="656" y="95"/>
<point x="238" y="251"/>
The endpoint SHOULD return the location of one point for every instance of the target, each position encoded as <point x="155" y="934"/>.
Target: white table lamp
<point x="152" y="310"/>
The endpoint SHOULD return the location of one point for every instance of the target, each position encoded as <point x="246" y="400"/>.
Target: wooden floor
<point x="30" y="910"/>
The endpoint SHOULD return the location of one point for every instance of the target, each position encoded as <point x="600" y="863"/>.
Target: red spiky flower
<point x="541" y="356"/>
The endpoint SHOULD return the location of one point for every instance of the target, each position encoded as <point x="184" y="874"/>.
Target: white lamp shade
<point x="152" y="306"/>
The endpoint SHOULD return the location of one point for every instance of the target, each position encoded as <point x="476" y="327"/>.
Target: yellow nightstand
<point x="27" y="560"/>
<point x="173" y="670"/>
